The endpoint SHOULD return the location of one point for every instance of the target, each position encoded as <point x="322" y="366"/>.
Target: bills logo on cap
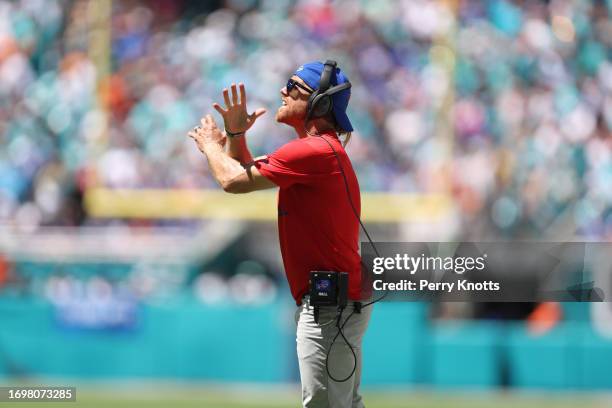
<point x="300" y="68"/>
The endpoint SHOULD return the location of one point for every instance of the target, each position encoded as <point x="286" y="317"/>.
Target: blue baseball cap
<point x="311" y="74"/>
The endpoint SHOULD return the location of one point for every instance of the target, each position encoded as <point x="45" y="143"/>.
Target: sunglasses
<point x="292" y="84"/>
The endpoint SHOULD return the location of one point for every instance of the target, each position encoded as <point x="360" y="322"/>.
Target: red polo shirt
<point x="317" y="227"/>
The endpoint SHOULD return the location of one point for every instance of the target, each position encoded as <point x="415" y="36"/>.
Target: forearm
<point x="238" y="149"/>
<point x="224" y="168"/>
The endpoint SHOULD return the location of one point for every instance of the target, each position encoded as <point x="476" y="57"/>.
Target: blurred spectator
<point x="4" y="271"/>
<point x="529" y="83"/>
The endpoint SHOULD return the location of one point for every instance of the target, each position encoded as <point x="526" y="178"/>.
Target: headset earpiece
<point x="320" y="103"/>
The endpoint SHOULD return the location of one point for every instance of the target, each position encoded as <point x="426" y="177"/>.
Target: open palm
<point x="235" y="115"/>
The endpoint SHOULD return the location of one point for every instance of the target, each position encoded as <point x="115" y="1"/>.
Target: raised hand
<point x="207" y="133"/>
<point x="235" y="115"/>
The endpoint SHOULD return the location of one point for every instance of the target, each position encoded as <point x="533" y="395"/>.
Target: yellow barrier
<point x="257" y="206"/>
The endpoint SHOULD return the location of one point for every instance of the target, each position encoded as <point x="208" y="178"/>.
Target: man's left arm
<point x="228" y="172"/>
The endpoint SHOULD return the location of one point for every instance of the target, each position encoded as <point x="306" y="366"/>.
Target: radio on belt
<point x="328" y="288"/>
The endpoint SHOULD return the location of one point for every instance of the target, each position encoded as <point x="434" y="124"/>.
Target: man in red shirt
<point x="318" y="214"/>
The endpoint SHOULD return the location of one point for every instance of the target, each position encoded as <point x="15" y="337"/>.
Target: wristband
<point x="230" y="134"/>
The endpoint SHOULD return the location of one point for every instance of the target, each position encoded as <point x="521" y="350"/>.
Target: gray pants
<point x="313" y="341"/>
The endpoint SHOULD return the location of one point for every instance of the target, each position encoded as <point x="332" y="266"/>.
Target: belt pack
<point x="329" y="288"/>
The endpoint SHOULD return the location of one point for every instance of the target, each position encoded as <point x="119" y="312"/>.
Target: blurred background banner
<point x="120" y="258"/>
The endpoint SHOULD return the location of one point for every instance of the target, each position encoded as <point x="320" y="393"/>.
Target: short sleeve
<point x="296" y="162"/>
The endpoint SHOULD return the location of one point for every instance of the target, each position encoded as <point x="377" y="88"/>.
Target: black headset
<point x="320" y="102"/>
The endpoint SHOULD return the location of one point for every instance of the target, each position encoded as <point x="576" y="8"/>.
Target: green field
<point x="158" y="396"/>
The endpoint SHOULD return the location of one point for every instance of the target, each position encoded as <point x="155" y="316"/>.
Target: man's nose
<point x="283" y="91"/>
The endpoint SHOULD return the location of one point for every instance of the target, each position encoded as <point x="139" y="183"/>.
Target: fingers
<point x="242" y="94"/>
<point x="234" y="100"/>
<point x="253" y="116"/>
<point x="258" y="113"/>
<point x="234" y="94"/>
<point x="226" y="98"/>
<point x="208" y="121"/>
<point x="219" y="109"/>
<point x="207" y="124"/>
<point x="194" y="135"/>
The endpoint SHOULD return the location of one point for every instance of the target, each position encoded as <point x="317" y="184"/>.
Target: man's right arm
<point x="238" y="149"/>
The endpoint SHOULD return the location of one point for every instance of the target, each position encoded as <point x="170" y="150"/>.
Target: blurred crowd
<point x="506" y="105"/>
